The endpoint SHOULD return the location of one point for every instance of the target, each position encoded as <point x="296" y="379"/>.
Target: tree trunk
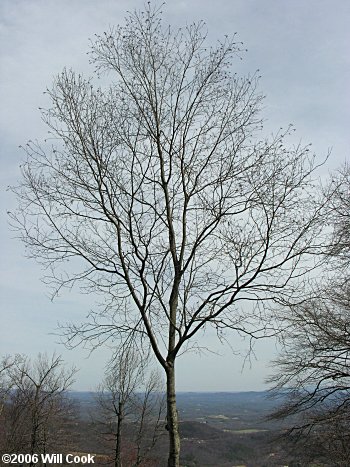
<point x="117" y="454"/>
<point x="172" y="418"/>
<point x="33" y="439"/>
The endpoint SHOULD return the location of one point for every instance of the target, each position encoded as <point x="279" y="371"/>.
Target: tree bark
<point x="117" y="459"/>
<point x="172" y="418"/>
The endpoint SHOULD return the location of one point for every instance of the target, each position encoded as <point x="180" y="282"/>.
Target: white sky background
<point x="302" y="50"/>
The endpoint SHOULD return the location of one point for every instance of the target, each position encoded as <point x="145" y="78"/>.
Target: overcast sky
<point x="302" y="50"/>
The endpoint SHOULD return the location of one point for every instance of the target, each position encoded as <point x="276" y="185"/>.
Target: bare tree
<point x="338" y="194"/>
<point x="149" y="409"/>
<point x="5" y="385"/>
<point x="313" y="369"/>
<point x="165" y="195"/>
<point x="312" y="377"/>
<point x="35" y="407"/>
<point x="5" y="390"/>
<point x="130" y="398"/>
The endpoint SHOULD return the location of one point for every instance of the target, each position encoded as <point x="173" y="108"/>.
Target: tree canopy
<point x="164" y="194"/>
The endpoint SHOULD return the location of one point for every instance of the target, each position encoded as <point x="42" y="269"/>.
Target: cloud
<point x="302" y="51"/>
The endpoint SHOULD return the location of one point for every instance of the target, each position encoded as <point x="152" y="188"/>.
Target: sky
<point x="302" y="51"/>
